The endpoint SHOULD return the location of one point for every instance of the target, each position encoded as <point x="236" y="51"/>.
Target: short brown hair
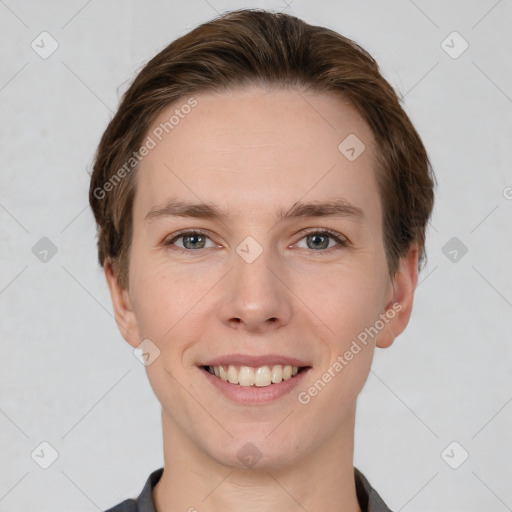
<point x="258" y="47"/>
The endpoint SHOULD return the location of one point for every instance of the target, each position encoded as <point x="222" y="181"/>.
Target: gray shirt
<point x="369" y="500"/>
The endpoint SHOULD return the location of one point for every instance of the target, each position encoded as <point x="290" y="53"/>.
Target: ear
<point x="399" y="307"/>
<point x="124" y="315"/>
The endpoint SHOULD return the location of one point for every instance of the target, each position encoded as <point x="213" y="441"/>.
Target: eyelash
<point x="338" y="237"/>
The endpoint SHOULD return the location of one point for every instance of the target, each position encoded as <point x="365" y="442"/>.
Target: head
<point x="260" y="191"/>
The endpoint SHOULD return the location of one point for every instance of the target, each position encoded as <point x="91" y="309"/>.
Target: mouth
<point x="254" y="379"/>
<point x="254" y="376"/>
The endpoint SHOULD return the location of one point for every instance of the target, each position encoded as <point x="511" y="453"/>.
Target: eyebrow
<point x="200" y="210"/>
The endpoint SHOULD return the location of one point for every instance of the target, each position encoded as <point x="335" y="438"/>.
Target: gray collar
<point x="368" y="498"/>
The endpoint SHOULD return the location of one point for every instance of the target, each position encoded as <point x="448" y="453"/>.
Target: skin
<point x="253" y="152"/>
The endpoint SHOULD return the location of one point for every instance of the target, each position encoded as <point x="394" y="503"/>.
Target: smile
<point x="260" y="376"/>
<point x="254" y="379"/>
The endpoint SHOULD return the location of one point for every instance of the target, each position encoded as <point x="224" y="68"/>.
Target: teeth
<point x="223" y="373"/>
<point x="232" y="375"/>
<point x="246" y="376"/>
<point x="277" y="373"/>
<point x="260" y="377"/>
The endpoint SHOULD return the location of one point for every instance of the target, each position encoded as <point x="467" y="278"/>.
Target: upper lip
<point x="254" y="361"/>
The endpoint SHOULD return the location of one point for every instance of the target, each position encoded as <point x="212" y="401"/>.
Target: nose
<point x="254" y="299"/>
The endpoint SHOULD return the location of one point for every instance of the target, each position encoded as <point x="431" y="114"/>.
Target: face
<point x="257" y="243"/>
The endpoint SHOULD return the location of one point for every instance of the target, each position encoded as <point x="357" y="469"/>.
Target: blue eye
<point x="319" y="241"/>
<point x="191" y="240"/>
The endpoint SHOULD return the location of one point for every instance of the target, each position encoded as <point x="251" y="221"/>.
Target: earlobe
<point x="123" y="312"/>
<point x="399" y="308"/>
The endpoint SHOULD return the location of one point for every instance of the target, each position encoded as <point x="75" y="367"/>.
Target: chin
<point x="256" y="452"/>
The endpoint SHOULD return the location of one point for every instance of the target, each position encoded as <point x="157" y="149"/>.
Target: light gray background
<point x="67" y="376"/>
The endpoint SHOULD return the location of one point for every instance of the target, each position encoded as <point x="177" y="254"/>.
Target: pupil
<point x="316" y="238"/>
<point x="192" y="240"/>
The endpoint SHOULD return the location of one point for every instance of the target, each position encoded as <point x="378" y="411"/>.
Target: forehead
<point x="255" y="150"/>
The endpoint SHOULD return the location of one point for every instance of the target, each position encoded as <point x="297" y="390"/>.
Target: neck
<point x="192" y="481"/>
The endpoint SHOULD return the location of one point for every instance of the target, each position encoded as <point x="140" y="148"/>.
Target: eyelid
<point x="169" y="240"/>
<point x="335" y="234"/>
<point x="341" y="239"/>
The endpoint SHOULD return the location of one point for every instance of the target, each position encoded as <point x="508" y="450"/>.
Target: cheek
<point x="170" y="307"/>
<point x="347" y="303"/>
<point x="347" y="298"/>
<point x="164" y="291"/>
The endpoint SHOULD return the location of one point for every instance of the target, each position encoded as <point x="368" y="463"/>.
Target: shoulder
<point x="144" y="503"/>
<point x="368" y="497"/>
<point x="129" y="505"/>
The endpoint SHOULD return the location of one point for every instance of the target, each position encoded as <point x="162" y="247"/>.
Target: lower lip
<point x="255" y="394"/>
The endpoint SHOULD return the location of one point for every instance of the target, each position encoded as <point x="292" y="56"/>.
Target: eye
<point x="190" y="240"/>
<point x="320" y="240"/>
